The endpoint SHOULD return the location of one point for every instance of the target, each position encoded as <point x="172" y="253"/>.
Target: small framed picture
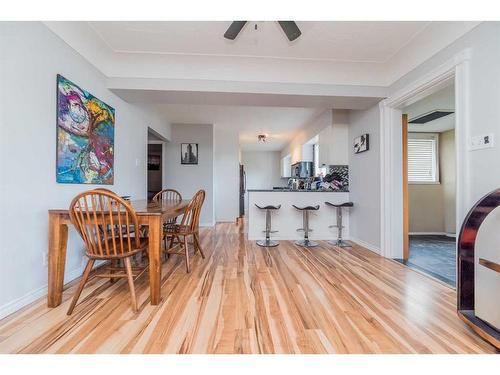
<point x="189" y="153"/>
<point x="361" y="143"/>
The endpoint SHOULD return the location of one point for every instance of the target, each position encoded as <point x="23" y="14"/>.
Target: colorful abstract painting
<point x="85" y="136"/>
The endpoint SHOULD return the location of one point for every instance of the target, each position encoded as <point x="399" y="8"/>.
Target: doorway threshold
<point x="427" y="272"/>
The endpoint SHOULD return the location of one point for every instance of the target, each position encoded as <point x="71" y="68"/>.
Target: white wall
<point x="189" y="178"/>
<point x="31" y="57"/>
<point x="263" y="169"/>
<point x="364" y="179"/>
<point x="227" y="172"/>
<point x="294" y="148"/>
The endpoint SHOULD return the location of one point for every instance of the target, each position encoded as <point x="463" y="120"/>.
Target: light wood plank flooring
<point x="247" y="299"/>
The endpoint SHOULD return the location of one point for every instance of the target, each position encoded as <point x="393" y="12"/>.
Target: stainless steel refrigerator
<point x="243" y="188"/>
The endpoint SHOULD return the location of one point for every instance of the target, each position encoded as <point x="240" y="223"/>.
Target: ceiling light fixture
<point x="262" y="138"/>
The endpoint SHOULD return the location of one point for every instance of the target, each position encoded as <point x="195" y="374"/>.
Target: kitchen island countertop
<point x="298" y="191"/>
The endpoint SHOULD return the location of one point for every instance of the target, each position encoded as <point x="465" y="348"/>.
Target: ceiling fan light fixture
<point x="262" y="138"/>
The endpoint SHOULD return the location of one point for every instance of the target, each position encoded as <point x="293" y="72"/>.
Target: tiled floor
<point x="434" y="255"/>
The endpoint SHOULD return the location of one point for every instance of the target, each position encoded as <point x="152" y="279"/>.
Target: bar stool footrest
<point x="340" y="243"/>
<point x="306" y="243"/>
<point x="267" y="243"/>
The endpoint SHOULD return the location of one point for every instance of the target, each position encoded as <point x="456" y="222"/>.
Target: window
<point x="423" y="163"/>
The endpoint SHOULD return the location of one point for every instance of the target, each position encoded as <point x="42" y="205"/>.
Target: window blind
<point x="422" y="160"/>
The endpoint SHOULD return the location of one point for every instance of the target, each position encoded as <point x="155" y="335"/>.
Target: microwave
<point x="302" y="169"/>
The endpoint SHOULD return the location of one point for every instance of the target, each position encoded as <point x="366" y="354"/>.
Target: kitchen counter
<point x="297" y="191"/>
<point x="287" y="219"/>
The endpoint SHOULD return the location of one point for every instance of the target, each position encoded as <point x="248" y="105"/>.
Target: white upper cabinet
<point x="286" y="166"/>
<point x="334" y="141"/>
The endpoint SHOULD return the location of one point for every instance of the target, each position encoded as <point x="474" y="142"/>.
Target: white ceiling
<point x="442" y="99"/>
<point x="279" y="124"/>
<point x="329" y="53"/>
<point x="340" y="41"/>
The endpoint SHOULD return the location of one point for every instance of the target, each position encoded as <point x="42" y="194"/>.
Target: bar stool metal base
<point x="267" y="243"/>
<point x="340" y="243"/>
<point x="306" y="243"/>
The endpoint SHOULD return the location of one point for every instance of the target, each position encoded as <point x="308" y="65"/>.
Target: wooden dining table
<point x="152" y="215"/>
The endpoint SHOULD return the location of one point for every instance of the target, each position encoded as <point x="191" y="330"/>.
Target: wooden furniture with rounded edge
<point x="465" y="263"/>
<point x="150" y="215"/>
<point x="168" y="195"/>
<point x="89" y="212"/>
<point x="189" y="226"/>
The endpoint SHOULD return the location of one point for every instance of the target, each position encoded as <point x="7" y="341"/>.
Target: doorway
<point x="429" y="185"/>
<point x="154" y="164"/>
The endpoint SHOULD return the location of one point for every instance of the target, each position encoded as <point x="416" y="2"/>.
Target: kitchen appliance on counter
<point x="302" y="169"/>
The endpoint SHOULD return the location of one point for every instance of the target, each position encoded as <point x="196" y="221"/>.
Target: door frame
<point x="406" y="207"/>
<point x="160" y="141"/>
<point x="391" y="153"/>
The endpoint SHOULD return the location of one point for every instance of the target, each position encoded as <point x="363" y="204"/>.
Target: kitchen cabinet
<point x="286" y="166"/>
<point x="334" y="141"/>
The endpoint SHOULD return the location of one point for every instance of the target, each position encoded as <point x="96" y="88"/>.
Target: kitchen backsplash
<point x="338" y="177"/>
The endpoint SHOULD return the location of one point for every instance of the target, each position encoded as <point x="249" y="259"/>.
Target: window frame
<point x="431" y="136"/>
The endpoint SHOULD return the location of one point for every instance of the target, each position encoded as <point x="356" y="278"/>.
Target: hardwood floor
<point x="246" y="299"/>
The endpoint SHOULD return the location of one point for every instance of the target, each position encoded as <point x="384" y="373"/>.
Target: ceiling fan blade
<point x="291" y="29"/>
<point x="234" y="29"/>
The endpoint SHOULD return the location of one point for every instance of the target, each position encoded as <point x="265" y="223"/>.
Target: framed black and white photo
<point x="361" y="143"/>
<point x="189" y="153"/>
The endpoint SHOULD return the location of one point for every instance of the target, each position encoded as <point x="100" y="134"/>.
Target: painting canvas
<point x="85" y="136"/>
<point x="189" y="153"/>
<point x="361" y="143"/>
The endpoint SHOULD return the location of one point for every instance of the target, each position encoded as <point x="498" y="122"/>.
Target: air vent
<point x="430" y="116"/>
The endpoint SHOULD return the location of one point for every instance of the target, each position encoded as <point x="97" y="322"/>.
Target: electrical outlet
<point x="479" y="142"/>
<point x="45" y="258"/>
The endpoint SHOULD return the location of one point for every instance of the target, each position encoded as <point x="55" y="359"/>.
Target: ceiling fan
<point x="290" y="29"/>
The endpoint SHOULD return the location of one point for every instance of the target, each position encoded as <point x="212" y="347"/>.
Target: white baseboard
<point x="207" y="225"/>
<point x="366" y="245"/>
<point x="19" y="303"/>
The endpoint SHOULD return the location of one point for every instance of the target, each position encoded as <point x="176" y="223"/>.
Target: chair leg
<point x="114" y="263"/>
<point x="197" y="244"/>
<point x="186" y="250"/>
<point x="166" y="248"/>
<point x="83" y="281"/>
<point x="130" y="278"/>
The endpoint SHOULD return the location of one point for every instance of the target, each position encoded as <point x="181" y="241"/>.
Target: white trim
<point x="366" y="245"/>
<point x="391" y="213"/>
<point x="17" y="304"/>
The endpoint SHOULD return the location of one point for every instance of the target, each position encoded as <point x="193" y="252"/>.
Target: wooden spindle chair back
<point x="168" y="195"/>
<point x="201" y="199"/>
<point x="93" y="210"/>
<point x="189" y="219"/>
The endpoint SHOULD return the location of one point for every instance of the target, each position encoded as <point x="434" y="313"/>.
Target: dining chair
<point x="189" y="226"/>
<point x="95" y="209"/>
<point x="171" y="196"/>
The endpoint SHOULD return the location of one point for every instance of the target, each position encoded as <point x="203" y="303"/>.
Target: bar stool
<point x="306" y="242"/>
<point x="268" y="242"/>
<point x="339" y="242"/>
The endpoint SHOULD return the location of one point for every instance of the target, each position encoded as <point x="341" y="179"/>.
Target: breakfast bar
<point x="288" y="219"/>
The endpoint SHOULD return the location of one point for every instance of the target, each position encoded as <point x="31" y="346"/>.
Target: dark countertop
<point x="296" y="191"/>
